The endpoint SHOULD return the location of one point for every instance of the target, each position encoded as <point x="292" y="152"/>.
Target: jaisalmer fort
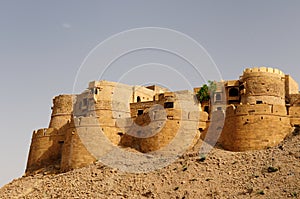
<point x="256" y="111"/>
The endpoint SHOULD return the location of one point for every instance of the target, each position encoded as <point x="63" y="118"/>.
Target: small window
<point x="259" y="102"/>
<point x="140" y="112"/>
<point x="169" y="105"/>
<point x="219" y="108"/>
<point x="218" y="97"/>
<point x="138" y="99"/>
<point x="96" y="91"/>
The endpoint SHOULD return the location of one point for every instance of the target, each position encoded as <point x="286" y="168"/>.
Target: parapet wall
<point x="269" y="70"/>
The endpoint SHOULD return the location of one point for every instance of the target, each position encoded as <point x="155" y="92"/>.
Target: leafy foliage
<point x="205" y="91"/>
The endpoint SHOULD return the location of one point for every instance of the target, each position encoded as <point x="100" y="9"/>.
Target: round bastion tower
<point x="261" y="120"/>
<point x="46" y="144"/>
<point x="61" y="111"/>
<point x="263" y="86"/>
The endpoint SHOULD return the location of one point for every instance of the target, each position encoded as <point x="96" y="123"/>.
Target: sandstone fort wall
<point x="258" y="111"/>
<point x="265" y="85"/>
<point x="251" y="127"/>
<point x="61" y="111"/>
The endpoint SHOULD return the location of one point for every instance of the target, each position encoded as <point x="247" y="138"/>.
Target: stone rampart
<point x="61" y="111"/>
<point x="263" y="85"/>
<point x="45" y="148"/>
<point x="252" y="127"/>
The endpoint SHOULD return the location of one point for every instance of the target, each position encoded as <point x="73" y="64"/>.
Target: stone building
<point x="143" y="118"/>
<point x="262" y="108"/>
<point x="254" y="112"/>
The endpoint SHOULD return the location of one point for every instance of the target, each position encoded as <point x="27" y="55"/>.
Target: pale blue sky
<point x="43" y="43"/>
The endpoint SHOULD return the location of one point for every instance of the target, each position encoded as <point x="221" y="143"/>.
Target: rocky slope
<point x="270" y="173"/>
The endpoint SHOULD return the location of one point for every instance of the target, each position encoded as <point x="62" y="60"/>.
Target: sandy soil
<point x="270" y="173"/>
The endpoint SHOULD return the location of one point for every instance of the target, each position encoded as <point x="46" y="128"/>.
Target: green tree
<point x="205" y="91"/>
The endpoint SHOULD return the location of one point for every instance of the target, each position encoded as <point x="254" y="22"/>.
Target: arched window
<point x="138" y="99"/>
<point x="233" y="92"/>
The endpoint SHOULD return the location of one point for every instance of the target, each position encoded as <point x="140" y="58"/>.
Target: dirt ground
<point x="270" y="173"/>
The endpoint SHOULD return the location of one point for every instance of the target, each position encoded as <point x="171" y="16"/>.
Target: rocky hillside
<point x="270" y="173"/>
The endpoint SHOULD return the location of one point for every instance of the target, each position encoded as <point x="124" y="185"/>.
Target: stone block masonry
<point x="261" y="108"/>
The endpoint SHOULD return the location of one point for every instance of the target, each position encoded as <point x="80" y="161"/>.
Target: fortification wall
<point x="61" y="111"/>
<point x="294" y="112"/>
<point x="175" y="122"/>
<point x="261" y="121"/>
<point x="291" y="86"/>
<point x="181" y="116"/>
<point x="214" y="127"/>
<point x="46" y="144"/>
<point x="109" y="103"/>
<point x="74" y="152"/>
<point x="251" y="127"/>
<point x="109" y="111"/>
<point x="45" y="149"/>
<point x="263" y="85"/>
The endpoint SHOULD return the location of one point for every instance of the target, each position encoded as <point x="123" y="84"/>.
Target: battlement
<point x="45" y="132"/>
<point x="249" y="71"/>
<point x="62" y="104"/>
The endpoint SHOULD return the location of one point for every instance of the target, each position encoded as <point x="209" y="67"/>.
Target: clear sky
<point x="43" y="43"/>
